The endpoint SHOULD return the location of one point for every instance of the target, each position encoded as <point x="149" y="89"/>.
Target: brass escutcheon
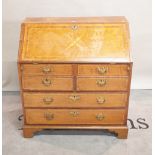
<point x="74" y="27"/>
<point x="100" y="117"/>
<point x="46" y="69"/>
<point x="49" y="116"/>
<point x="101" y="82"/>
<point x="46" y="82"/>
<point x="47" y="100"/>
<point x="102" y="70"/>
<point x="74" y="97"/>
<point x="100" y="100"/>
<point x="74" y="113"/>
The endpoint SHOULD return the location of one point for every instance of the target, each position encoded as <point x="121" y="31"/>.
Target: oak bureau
<point x="75" y="73"/>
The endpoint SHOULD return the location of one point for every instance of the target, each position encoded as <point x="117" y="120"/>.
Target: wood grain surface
<point x="75" y="73"/>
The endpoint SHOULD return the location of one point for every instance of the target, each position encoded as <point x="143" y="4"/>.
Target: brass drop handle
<point x="46" y="69"/>
<point x="47" y="100"/>
<point x="49" y="116"/>
<point x="74" y="97"/>
<point x="101" y="82"/>
<point x="102" y="70"/>
<point x="74" y="113"/>
<point x="100" y="116"/>
<point x="46" y="82"/>
<point x="100" y="100"/>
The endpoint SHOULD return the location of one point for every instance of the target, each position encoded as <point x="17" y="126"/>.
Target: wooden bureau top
<point x="114" y="19"/>
<point x="75" y="39"/>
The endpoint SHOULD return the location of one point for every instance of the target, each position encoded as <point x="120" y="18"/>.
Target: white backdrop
<point x="138" y="12"/>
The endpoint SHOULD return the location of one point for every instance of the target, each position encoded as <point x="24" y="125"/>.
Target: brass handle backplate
<point x="101" y="82"/>
<point x="47" y="100"/>
<point x="46" y="69"/>
<point x="74" y="97"/>
<point x="100" y="116"/>
<point x="100" y="100"/>
<point x="46" y="82"/>
<point x="49" y="116"/>
<point x="102" y="70"/>
<point x="74" y="113"/>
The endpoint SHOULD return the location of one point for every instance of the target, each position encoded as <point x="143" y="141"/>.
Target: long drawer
<point x="47" y="83"/>
<point x="97" y="100"/>
<point x="103" y="69"/>
<point x="74" y="116"/>
<point x="102" y="84"/>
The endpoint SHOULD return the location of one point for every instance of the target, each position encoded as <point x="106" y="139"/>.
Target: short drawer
<point x="47" y="83"/>
<point x="76" y="100"/>
<point x="47" y="69"/>
<point x="74" y="116"/>
<point x="102" y="84"/>
<point x="103" y="69"/>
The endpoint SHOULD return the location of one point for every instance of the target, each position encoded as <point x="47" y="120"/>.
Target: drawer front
<point x="74" y="116"/>
<point x="47" y="83"/>
<point x="103" y="70"/>
<point x="47" y="69"/>
<point x="98" y="100"/>
<point x="102" y="84"/>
